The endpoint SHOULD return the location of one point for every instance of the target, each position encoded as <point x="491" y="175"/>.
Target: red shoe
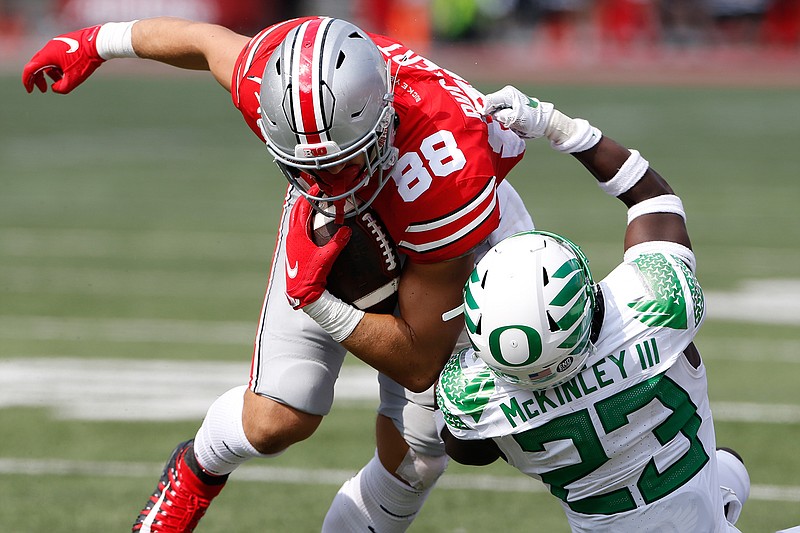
<point x="180" y="499"/>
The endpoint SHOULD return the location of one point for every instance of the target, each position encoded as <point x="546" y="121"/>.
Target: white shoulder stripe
<point x="432" y="245"/>
<point x="427" y="226"/>
<point x="255" y="44"/>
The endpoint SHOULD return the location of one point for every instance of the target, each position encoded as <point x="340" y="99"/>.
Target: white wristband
<point x="114" y="40"/>
<point x="666" y="203"/>
<point x="628" y="175"/>
<point x="582" y="135"/>
<point x="336" y="317"/>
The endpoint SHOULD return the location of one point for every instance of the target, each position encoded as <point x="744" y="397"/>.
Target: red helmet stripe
<point x="308" y="59"/>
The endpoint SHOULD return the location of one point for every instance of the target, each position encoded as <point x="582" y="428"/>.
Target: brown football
<point x="367" y="271"/>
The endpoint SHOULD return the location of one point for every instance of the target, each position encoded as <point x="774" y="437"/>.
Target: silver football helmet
<point x="326" y="99"/>
<point x="528" y="307"/>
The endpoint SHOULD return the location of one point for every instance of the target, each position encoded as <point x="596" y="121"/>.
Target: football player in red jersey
<point x="351" y="119"/>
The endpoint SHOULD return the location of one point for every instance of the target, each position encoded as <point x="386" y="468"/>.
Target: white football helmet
<point x="528" y="307"/>
<point x="326" y="99"/>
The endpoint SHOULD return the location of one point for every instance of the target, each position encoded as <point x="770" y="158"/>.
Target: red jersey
<point x="440" y="200"/>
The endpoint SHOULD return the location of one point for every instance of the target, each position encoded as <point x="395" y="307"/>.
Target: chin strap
<point x="453" y="313"/>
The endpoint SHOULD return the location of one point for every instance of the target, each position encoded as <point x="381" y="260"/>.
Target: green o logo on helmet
<point x="532" y="337"/>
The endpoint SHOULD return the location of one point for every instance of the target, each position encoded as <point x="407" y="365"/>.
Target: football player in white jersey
<point x="596" y="389"/>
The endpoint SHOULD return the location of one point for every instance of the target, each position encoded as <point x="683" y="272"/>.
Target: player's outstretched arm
<point x="654" y="212"/>
<point x="190" y="45"/>
<point x="69" y="59"/>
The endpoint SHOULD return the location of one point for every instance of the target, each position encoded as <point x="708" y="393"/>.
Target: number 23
<point x="613" y="414"/>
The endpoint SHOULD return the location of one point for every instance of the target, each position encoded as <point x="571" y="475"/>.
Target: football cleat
<point x="180" y="499"/>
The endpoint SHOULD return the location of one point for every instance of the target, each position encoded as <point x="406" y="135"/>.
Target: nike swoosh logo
<point x="291" y="271"/>
<point x="73" y="44"/>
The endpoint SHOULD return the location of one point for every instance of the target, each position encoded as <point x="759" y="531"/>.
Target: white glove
<point x="524" y="115"/>
<point x="530" y="119"/>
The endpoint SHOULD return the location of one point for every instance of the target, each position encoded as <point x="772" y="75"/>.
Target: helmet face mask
<point x="326" y="99"/>
<point x="528" y="307"/>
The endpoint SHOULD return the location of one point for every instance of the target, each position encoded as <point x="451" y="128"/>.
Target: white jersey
<point x="627" y="444"/>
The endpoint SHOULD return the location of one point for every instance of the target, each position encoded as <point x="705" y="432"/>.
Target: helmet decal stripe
<point x="323" y="102"/>
<point x="574" y="313"/>
<point x="564" y="270"/>
<point x="573" y="286"/>
<point x="578" y="346"/>
<point x="319" y="83"/>
<point x="471" y="304"/>
<point x="468" y="298"/>
<point x="306" y="52"/>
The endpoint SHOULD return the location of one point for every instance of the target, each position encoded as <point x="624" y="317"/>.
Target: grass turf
<point x="149" y="199"/>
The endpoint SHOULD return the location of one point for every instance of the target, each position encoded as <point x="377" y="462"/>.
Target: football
<point x="367" y="271"/>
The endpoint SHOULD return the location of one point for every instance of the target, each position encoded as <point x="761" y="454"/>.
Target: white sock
<point x="374" y="500"/>
<point x="734" y="484"/>
<point x="220" y="445"/>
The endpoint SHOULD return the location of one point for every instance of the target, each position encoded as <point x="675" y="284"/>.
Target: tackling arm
<point x="655" y="213"/>
<point x="470" y="452"/>
<point x="604" y="160"/>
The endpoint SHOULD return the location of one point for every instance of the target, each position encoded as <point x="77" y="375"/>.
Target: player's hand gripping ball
<point x="367" y="271"/>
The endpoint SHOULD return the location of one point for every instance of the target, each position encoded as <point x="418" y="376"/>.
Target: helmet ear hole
<point x="278" y="66"/>
<point x="545" y="277"/>
<point x="340" y="59"/>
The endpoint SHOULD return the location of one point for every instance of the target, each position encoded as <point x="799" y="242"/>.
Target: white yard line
<point x="144" y="330"/>
<point x="127" y="330"/>
<point x="163" y="244"/>
<point x="313" y="476"/>
<point x="768" y="301"/>
<point x="112" y="389"/>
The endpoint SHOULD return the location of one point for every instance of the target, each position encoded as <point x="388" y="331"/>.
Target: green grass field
<point x="136" y="225"/>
